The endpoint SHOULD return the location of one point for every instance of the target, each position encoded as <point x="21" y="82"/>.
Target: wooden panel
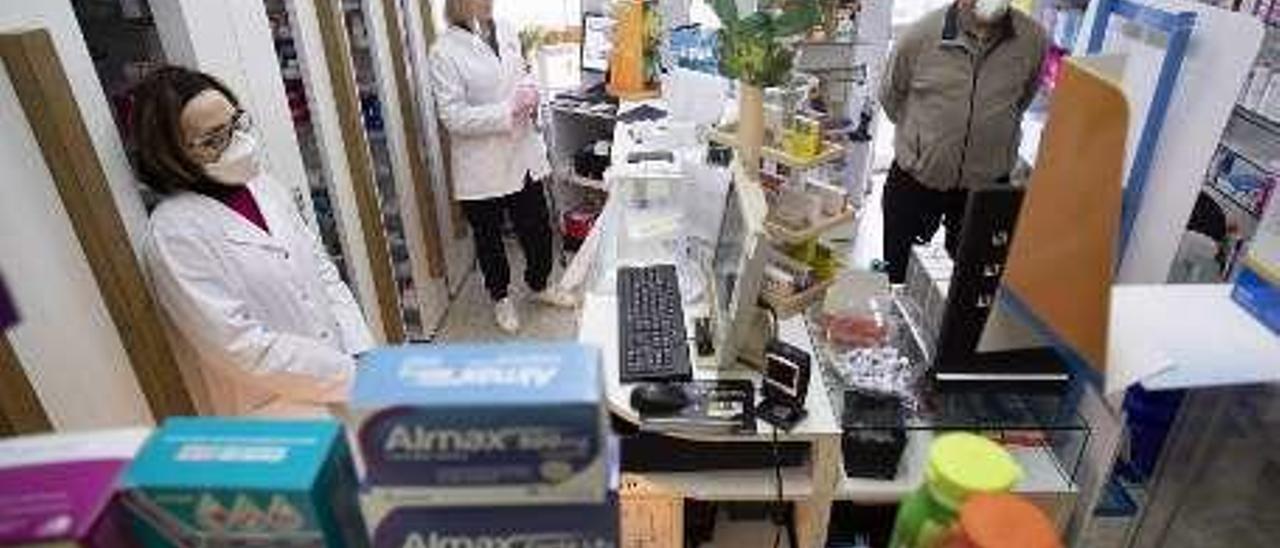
<point x="20" y="409"/>
<point x="50" y="106"/>
<point x="337" y="52"/>
<point x="650" y="516"/>
<point x="1063" y="255"/>
<point x="423" y="194"/>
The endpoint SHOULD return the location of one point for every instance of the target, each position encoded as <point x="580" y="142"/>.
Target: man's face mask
<point x="989" y="11"/>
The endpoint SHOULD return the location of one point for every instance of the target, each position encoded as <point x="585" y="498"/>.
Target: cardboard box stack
<point x="484" y="445"/>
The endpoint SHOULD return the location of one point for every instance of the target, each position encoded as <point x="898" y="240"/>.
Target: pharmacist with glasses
<point x="266" y="324"/>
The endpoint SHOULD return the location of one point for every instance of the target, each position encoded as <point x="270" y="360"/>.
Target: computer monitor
<point x="597" y="42"/>
<point x="737" y="269"/>
<point x="786" y="378"/>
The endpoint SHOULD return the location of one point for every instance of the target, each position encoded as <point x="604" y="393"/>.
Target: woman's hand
<point x="525" y="103"/>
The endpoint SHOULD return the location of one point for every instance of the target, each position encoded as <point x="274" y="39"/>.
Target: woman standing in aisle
<point x="487" y="102"/>
<point x="247" y="284"/>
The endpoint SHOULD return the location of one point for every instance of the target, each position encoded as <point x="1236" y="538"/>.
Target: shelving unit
<point x="322" y="199"/>
<point x="1253" y="139"/>
<point x="786" y="306"/>
<point x="784" y="235"/>
<point x="371" y="106"/>
<point x="830" y="151"/>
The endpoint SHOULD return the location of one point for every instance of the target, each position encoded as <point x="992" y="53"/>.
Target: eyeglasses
<point x="216" y="140"/>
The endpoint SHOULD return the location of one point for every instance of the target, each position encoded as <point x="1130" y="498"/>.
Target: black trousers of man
<point x="912" y="214"/>
<point x="528" y="212"/>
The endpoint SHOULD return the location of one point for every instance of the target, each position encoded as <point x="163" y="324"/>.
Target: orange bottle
<point x="626" y="63"/>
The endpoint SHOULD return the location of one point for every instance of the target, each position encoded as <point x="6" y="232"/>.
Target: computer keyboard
<point x="653" y="345"/>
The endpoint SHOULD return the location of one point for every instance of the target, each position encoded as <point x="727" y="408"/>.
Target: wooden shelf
<point x="784" y="235"/>
<point x="786" y="306"/>
<point x="731" y="485"/>
<point x="1221" y="188"/>
<point x="1259" y="119"/>
<point x="830" y="151"/>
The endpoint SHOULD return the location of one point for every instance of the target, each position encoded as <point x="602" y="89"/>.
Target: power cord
<point x="777" y="515"/>
<point x="781" y="516"/>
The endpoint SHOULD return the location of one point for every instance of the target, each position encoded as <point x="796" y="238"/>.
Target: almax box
<point x="550" y="525"/>
<point x="501" y="424"/>
<point x="214" y="482"/>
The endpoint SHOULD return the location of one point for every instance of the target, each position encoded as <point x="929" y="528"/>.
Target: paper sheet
<point x="1186" y="336"/>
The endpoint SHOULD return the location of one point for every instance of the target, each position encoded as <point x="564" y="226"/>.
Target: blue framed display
<point x="1176" y="27"/>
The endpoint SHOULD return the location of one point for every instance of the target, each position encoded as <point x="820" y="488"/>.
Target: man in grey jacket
<point x="956" y="87"/>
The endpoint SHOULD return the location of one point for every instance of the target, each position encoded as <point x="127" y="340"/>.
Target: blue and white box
<point x="497" y="424"/>
<point x="245" y="482"/>
<point x="566" y="525"/>
<point x="1257" y="287"/>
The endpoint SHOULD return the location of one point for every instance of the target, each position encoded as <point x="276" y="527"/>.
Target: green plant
<point x="757" y="49"/>
<point x="531" y="38"/>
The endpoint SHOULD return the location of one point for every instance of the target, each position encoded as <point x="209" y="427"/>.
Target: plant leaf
<point x="726" y="11"/>
<point x="798" y="17"/>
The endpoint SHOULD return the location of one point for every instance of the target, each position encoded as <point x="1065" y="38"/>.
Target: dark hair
<point x="159" y="152"/>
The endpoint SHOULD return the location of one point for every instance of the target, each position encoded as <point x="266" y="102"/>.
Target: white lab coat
<point x="271" y="325"/>
<point x="474" y="90"/>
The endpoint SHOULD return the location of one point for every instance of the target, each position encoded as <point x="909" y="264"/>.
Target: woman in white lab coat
<point x="487" y="103"/>
<point x="256" y="302"/>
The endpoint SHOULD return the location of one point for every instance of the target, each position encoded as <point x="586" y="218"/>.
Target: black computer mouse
<point x="658" y="398"/>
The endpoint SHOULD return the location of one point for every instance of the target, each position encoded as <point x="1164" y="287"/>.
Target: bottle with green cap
<point x="960" y="465"/>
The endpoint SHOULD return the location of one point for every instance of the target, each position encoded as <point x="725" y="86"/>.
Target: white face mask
<point x="238" y="163"/>
<point x="990" y="10"/>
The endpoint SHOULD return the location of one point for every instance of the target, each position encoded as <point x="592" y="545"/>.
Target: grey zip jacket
<point x="957" y="100"/>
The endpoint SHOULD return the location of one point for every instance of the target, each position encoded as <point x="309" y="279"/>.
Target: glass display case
<point x="878" y="386"/>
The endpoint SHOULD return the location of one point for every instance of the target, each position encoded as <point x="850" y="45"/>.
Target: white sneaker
<point x="556" y="298"/>
<point x="505" y="313"/>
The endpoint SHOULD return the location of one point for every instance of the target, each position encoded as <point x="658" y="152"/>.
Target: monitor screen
<point x="597" y="42"/>
<point x="783" y="374"/>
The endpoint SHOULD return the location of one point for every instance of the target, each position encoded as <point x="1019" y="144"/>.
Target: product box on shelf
<point x="60" y="489"/>
<point x="1257" y="286"/>
<point x="499" y="424"/>
<point x="593" y="525"/>
<point x="213" y="482"/>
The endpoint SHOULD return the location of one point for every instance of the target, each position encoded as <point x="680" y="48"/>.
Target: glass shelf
<point x="1045" y="425"/>
<point x="934" y="409"/>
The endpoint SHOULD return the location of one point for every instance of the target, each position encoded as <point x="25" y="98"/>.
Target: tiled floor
<point x="470" y="316"/>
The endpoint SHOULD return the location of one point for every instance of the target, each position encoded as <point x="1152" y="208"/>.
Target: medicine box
<point x="60" y="490"/>
<point x="592" y="525"/>
<point x="1257" y="287"/>
<point x="499" y="424"/>
<point x="220" y="482"/>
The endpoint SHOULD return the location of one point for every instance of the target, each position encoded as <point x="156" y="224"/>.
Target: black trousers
<point x="528" y="212"/>
<point x="912" y="214"/>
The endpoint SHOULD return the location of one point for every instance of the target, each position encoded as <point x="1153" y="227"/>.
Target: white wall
<point x="67" y="341"/>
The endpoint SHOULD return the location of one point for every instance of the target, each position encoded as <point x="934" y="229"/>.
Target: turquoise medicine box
<point x="221" y="482"/>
